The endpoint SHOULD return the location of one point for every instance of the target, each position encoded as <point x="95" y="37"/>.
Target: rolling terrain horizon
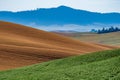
<point x="62" y="18"/>
<point x="59" y="40"/>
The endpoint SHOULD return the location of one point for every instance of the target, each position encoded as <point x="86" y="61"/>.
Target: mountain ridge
<point x="61" y="15"/>
<point x="62" y="6"/>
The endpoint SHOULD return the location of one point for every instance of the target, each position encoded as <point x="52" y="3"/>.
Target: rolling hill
<point x="21" y="46"/>
<point x="103" y="65"/>
<point x="107" y="38"/>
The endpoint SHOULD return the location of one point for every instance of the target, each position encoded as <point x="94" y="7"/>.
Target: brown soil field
<point x="21" y="46"/>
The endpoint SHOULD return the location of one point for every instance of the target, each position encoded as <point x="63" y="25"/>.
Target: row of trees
<point x="106" y="30"/>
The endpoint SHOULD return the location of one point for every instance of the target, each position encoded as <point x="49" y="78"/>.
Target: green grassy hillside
<point x="103" y="65"/>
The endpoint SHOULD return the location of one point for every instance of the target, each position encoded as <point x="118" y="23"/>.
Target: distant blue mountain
<point x="61" y="15"/>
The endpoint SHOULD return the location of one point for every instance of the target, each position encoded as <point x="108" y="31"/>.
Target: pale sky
<point x="90" y="5"/>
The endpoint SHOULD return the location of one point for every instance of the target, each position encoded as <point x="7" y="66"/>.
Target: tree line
<point x="106" y="30"/>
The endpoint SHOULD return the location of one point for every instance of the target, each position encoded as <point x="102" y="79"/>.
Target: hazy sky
<point x="90" y="5"/>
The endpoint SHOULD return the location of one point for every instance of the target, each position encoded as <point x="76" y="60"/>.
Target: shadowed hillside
<point x="21" y="46"/>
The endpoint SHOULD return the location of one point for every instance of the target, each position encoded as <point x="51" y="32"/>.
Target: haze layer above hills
<point x="21" y="46"/>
